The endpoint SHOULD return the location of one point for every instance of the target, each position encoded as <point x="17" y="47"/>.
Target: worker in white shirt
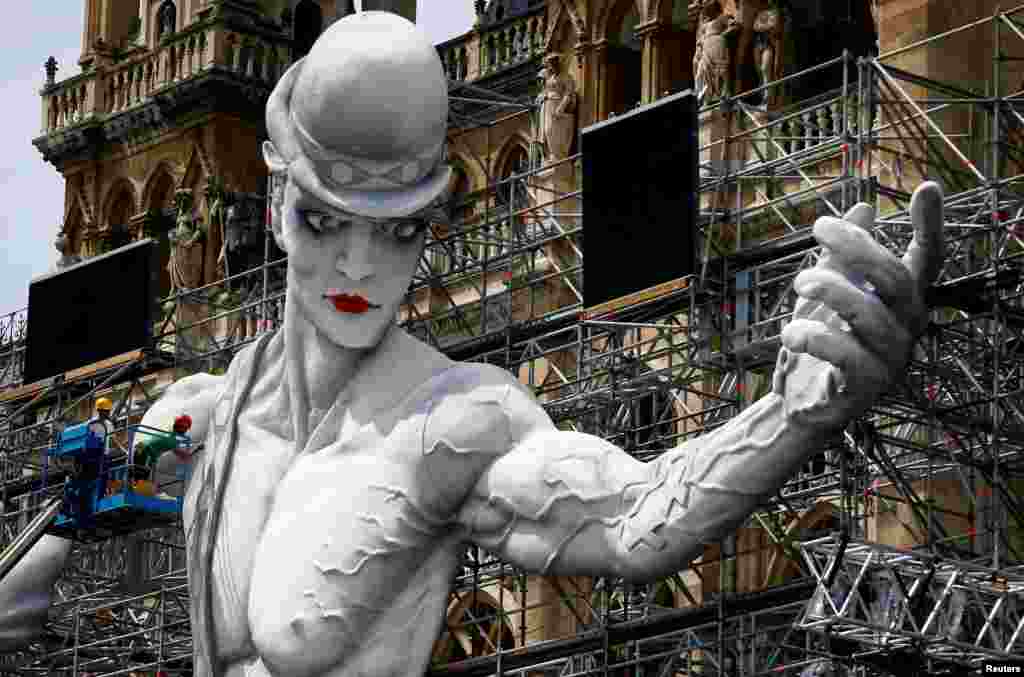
<point x="101" y="425"/>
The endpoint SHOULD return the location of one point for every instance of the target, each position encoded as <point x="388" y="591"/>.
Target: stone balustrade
<point x="813" y="126"/>
<point x="492" y="49"/>
<point x="260" y="58"/>
<point x="512" y="43"/>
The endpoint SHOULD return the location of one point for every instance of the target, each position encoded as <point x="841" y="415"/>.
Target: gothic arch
<point x="195" y="170"/>
<point x="472" y="161"/>
<point x="462" y="638"/>
<point x="74" y="223"/>
<point x="472" y="170"/>
<point x="565" y="17"/>
<point x="515" y="151"/>
<point x="120" y="203"/>
<point x="463" y="183"/>
<point x="505" y="151"/>
<point x="159" y="177"/>
<point x="614" y="12"/>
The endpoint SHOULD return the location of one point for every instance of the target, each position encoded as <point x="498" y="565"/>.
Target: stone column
<point x="585" y="102"/>
<point x="650" y="88"/>
<point x="600" y="72"/>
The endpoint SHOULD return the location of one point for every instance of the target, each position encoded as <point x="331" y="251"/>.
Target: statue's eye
<point x="321" y="222"/>
<point x="406" y="231"/>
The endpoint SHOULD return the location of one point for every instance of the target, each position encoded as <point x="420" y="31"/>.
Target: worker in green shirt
<point x="149" y="450"/>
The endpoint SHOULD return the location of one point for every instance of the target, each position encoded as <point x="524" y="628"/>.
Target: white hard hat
<point x="361" y="119"/>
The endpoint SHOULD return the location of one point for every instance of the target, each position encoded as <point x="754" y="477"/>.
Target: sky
<point x="31" y="190"/>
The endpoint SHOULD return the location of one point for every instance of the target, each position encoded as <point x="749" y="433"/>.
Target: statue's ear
<point x="275" y="161"/>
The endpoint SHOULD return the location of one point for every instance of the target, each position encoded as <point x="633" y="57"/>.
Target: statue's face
<point x="347" y="274"/>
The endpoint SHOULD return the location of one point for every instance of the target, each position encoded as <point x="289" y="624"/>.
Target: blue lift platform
<point x="106" y="503"/>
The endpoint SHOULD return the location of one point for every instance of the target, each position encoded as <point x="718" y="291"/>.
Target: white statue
<point x="712" y="56"/>
<point x="347" y="465"/>
<point x="557" y="108"/>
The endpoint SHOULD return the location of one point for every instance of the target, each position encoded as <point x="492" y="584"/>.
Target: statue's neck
<point x="320" y="367"/>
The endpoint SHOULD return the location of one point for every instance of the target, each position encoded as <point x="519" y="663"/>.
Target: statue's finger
<point x="862" y="214"/>
<point x="880" y="330"/>
<point x="830" y="345"/>
<point x="925" y="253"/>
<point x="855" y="254"/>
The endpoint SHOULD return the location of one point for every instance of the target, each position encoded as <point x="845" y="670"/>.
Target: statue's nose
<point x="354" y="261"/>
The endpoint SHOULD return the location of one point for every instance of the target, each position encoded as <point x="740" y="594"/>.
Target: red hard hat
<point x="184" y="420"/>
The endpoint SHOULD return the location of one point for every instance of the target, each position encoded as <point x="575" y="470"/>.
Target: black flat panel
<point x="639" y="199"/>
<point x="90" y="311"/>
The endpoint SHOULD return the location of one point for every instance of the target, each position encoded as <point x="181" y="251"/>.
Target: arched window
<point x="166" y="19"/>
<point x="161" y="201"/>
<point x="120" y="209"/>
<point x="517" y="162"/>
<point x="309" y="21"/>
<point x="161" y="194"/>
<point x="120" y="212"/>
<point x="458" y="188"/>
<point x="625" y="57"/>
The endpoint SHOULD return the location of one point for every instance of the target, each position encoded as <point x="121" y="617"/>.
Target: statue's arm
<point x="27" y="591"/>
<point x="564" y="503"/>
<point x="567" y="503"/>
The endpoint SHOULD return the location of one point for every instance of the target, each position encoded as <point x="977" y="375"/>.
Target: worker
<point x="86" y="483"/>
<point x="100" y="424"/>
<point x="150" y="449"/>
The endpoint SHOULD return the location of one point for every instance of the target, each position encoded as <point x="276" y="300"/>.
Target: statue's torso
<point x="338" y="560"/>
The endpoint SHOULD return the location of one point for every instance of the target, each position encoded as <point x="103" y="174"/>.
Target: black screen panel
<point x="639" y="199"/>
<point x="90" y="312"/>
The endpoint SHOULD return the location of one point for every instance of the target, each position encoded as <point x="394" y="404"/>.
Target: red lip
<point x="349" y="303"/>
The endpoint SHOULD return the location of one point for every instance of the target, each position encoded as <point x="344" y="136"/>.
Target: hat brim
<point x="372" y="203"/>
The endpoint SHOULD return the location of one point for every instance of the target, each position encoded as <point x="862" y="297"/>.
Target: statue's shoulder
<point x="479" y="406"/>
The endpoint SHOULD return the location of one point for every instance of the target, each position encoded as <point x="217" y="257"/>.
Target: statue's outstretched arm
<point x="567" y="503"/>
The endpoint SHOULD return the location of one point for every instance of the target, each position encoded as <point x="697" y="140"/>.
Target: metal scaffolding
<point x="940" y="456"/>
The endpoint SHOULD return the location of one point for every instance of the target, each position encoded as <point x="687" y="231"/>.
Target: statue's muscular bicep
<point x="557" y="502"/>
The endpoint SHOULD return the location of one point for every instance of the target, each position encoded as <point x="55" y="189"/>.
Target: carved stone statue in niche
<point x="166" y="19"/>
<point x="712" y="57"/>
<point x="557" y="109"/>
<point x="67" y="255"/>
<point x="187" y="239"/>
<point x="215" y="207"/>
<point x="771" y="55"/>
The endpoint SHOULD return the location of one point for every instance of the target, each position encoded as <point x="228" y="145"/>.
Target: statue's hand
<point x="859" y="314"/>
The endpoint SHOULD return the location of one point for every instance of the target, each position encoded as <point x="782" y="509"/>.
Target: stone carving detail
<point x="187" y="239"/>
<point x="67" y="255"/>
<point x="166" y="19"/>
<point x="772" y="34"/>
<point x="557" y="109"/>
<point x="712" y="59"/>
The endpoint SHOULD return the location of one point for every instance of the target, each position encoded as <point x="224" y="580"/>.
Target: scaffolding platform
<point x="124" y="512"/>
